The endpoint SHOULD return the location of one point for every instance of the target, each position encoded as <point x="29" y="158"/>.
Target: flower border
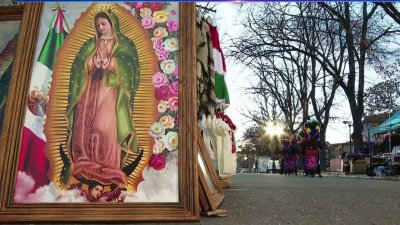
<point x="164" y="32"/>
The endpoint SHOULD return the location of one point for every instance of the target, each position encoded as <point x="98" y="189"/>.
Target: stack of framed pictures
<point x="10" y="20"/>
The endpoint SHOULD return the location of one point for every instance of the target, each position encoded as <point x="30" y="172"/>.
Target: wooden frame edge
<point x="213" y="200"/>
<point x="11" y="12"/>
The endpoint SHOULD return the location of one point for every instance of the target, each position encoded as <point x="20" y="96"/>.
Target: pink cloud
<point x="24" y="186"/>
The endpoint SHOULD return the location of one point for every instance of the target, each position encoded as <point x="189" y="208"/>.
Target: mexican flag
<point x="32" y="159"/>
<point x="221" y="91"/>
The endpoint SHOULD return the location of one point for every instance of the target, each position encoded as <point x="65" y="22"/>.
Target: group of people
<point x="307" y="148"/>
<point x="307" y="145"/>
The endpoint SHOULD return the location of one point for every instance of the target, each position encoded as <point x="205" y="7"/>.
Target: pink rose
<point x="158" y="43"/>
<point x="173" y="12"/>
<point x="162" y="54"/>
<point x="138" y="5"/>
<point x="176" y="72"/>
<point x="159" y="79"/>
<point x="173" y="104"/>
<point x="158" y="162"/>
<point x="163" y="93"/>
<point x="148" y="22"/>
<point x="155" y="6"/>
<point x="172" y="25"/>
<point x="174" y="88"/>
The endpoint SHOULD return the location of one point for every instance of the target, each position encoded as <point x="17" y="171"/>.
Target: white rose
<point x="171" y="44"/>
<point x="168" y="66"/>
<point x="157" y="130"/>
<point x="171" y="140"/>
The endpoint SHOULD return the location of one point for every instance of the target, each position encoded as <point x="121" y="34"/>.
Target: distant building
<point x="338" y="148"/>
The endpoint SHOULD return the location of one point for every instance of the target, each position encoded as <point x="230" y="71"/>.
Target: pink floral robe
<point x="95" y="147"/>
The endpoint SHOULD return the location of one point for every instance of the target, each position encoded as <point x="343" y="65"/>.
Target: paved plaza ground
<point x="333" y="199"/>
<point x="336" y="199"/>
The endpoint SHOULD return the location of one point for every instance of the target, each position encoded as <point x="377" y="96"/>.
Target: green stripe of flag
<point x="221" y="91"/>
<point x="53" y="41"/>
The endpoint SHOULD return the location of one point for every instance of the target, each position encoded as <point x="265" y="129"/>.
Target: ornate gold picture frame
<point x="186" y="207"/>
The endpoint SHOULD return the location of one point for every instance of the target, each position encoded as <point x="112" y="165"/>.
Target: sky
<point x="227" y="20"/>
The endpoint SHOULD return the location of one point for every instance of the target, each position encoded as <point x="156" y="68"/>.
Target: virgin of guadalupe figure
<point x="99" y="112"/>
<point x="99" y="102"/>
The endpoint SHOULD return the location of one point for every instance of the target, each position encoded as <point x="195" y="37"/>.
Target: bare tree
<point x="384" y="96"/>
<point x="366" y="28"/>
<point x="391" y="9"/>
<point x="338" y="38"/>
<point x="304" y="53"/>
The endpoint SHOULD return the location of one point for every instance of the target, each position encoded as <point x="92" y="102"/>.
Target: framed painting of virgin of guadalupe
<point x="10" y="19"/>
<point x="105" y="126"/>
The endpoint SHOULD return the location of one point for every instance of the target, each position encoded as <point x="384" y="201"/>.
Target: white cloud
<point x="157" y="187"/>
<point x="24" y="192"/>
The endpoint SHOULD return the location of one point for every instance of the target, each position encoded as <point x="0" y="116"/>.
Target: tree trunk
<point x="322" y="156"/>
<point x="357" y="118"/>
<point x="356" y="111"/>
<point x="357" y="133"/>
<point x="304" y="92"/>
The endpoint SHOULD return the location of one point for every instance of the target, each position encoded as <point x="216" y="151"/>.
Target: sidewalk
<point x="361" y="176"/>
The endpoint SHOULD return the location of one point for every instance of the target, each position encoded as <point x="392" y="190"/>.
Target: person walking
<point x="256" y="165"/>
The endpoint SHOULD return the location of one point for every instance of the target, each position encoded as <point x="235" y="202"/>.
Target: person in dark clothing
<point x="346" y="164"/>
<point x="256" y="165"/>
<point x="308" y="146"/>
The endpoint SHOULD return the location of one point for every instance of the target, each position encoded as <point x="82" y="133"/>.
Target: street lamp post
<point x="349" y="124"/>
<point x="390" y="133"/>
